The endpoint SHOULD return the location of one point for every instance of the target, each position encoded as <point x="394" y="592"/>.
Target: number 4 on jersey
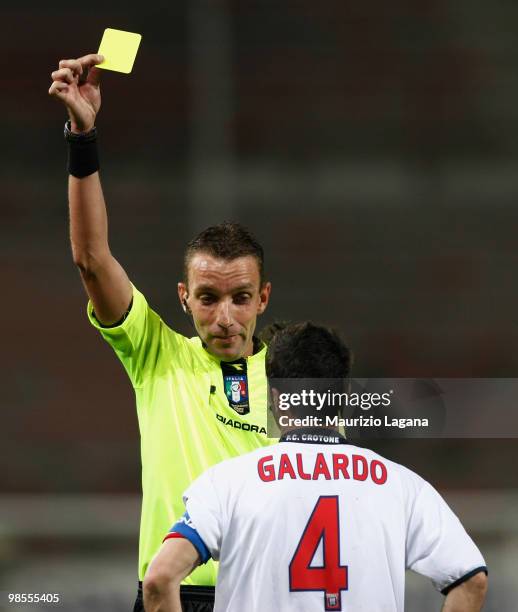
<point x="331" y="578"/>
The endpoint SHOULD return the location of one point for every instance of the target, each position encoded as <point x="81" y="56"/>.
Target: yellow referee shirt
<point x="185" y="420"/>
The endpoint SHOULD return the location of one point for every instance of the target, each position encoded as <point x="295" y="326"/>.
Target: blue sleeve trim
<point x="467" y="576"/>
<point x="186" y="528"/>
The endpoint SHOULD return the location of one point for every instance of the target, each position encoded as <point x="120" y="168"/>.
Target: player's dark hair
<point x="308" y="352"/>
<point x="227" y="240"/>
<point x="268" y="332"/>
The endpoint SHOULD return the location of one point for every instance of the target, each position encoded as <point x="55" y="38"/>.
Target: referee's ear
<point x="183" y="294"/>
<point x="264" y="297"/>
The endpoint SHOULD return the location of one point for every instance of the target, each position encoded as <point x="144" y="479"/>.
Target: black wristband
<point x="83" y="158"/>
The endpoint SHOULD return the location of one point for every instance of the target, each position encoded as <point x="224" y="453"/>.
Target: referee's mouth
<point x="231" y="347"/>
<point x="228" y="346"/>
<point x="226" y="338"/>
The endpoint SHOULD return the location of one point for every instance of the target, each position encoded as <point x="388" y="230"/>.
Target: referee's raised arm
<point x="77" y="84"/>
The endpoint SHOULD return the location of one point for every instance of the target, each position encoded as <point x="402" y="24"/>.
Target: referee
<point x="199" y="400"/>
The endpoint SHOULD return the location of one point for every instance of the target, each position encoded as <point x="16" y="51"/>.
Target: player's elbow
<point x="158" y="582"/>
<point x="477" y="586"/>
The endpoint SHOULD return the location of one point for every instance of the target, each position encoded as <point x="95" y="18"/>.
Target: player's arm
<point x="468" y="596"/>
<point x="439" y="547"/>
<point x="77" y="84"/>
<point x="175" y="561"/>
<point x="184" y="548"/>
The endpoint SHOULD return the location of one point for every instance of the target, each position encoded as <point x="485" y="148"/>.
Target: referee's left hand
<point x="77" y="84"/>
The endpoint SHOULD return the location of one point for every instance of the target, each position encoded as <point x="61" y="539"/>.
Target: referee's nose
<point x="223" y="318"/>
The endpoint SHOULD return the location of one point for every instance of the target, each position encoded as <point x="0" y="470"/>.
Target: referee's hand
<point x="77" y="84"/>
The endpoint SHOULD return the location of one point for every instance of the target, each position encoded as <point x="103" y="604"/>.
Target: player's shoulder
<point x="407" y="477"/>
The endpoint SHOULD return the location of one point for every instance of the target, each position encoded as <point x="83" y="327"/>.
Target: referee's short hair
<point x="227" y="240"/>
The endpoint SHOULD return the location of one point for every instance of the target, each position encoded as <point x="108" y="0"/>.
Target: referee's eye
<point x="242" y="298"/>
<point x="207" y="299"/>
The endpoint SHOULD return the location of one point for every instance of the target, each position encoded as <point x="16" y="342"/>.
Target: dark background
<point x="373" y="149"/>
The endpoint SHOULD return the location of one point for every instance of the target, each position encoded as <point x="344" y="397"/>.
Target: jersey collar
<point x="259" y="350"/>
<point x="314" y="435"/>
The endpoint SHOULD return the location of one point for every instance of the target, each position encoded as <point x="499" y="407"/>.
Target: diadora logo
<point x="240" y="425"/>
<point x="237" y="366"/>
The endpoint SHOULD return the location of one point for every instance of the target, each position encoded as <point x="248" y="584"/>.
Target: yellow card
<point x="119" y="49"/>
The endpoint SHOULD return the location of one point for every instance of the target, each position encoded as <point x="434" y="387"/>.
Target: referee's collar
<point x="313" y="435"/>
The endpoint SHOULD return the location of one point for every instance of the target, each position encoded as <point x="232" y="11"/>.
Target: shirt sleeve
<point x="136" y="340"/>
<point x="203" y="506"/>
<point x="185" y="528"/>
<point x="437" y="544"/>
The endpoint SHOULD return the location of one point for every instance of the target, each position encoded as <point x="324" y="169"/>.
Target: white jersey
<point x="303" y="526"/>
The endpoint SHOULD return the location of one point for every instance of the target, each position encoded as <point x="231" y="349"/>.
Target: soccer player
<point x="314" y="522"/>
<point x="199" y="400"/>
